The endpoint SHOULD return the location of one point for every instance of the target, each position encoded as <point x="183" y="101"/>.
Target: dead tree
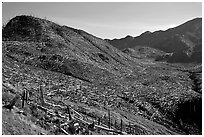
<point x="71" y="128"/>
<point x="121" y="125"/>
<point x="49" y="85"/>
<point x="23" y="98"/>
<point x="109" y="119"/>
<point x="129" y="127"/>
<point x="41" y="95"/>
<point x="68" y="110"/>
<point x="12" y="103"/>
<point x="99" y="121"/>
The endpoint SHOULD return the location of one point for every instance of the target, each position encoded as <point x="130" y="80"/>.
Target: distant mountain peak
<point x="128" y="36"/>
<point x="146" y="33"/>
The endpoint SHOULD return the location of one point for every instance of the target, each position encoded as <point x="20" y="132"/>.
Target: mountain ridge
<point x="185" y="41"/>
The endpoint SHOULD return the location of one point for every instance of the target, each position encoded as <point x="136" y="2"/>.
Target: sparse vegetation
<point x="91" y="89"/>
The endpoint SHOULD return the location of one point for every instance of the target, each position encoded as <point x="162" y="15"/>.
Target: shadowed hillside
<point x="184" y="41"/>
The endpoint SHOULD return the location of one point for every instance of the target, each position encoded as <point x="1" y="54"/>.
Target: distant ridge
<point x="184" y="41"/>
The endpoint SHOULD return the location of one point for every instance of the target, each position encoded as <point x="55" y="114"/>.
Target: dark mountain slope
<point x="121" y="43"/>
<point x="185" y="41"/>
<point x="80" y="69"/>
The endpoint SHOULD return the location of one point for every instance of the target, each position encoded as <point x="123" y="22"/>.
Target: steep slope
<point x="66" y="47"/>
<point x="185" y="41"/>
<point x="86" y="72"/>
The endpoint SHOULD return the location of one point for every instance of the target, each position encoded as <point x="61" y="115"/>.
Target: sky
<point x="108" y="19"/>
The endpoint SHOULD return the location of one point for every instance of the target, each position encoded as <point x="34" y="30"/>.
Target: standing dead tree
<point x="129" y="128"/>
<point x="26" y="97"/>
<point x="109" y="119"/>
<point x="23" y="98"/>
<point x="42" y="89"/>
<point x="99" y="121"/>
<point x="121" y="125"/>
<point x="68" y="110"/>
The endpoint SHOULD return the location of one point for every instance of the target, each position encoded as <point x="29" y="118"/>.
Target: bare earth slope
<point x="93" y="78"/>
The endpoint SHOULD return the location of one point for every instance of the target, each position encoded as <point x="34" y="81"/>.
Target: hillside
<point x="72" y="77"/>
<point x="184" y="41"/>
<point x="141" y="52"/>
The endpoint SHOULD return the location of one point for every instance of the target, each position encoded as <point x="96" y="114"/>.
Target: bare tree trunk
<point x="99" y="121"/>
<point x="23" y="98"/>
<point x="109" y="119"/>
<point x="70" y="116"/>
<point x="121" y="125"/>
<point x="41" y="95"/>
<point x="49" y="85"/>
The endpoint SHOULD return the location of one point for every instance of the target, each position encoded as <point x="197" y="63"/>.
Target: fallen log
<point x="103" y="128"/>
<point x="64" y="131"/>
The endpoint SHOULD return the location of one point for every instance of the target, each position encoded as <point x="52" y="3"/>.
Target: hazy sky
<point x="109" y="20"/>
